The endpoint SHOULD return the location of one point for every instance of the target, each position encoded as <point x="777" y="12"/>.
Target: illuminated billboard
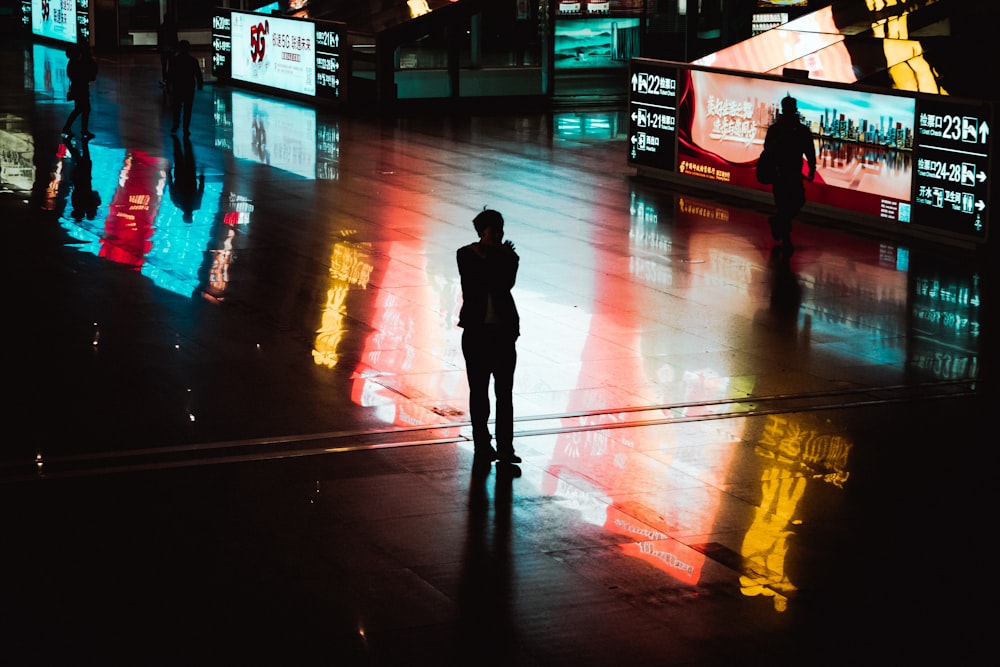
<point x="62" y="20"/>
<point x="298" y="56"/>
<point x="894" y="157"/>
<point x="274" y="52"/>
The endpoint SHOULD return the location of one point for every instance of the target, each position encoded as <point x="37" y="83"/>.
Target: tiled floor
<point x="241" y="439"/>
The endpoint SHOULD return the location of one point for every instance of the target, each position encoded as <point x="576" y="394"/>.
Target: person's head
<point x="789" y="105"/>
<point x="488" y="222"/>
<point x="183" y="46"/>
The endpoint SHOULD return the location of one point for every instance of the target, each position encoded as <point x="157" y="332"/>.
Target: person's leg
<point x="477" y="370"/>
<point x="503" y="386"/>
<point x="175" y="107"/>
<point x="68" y="127"/>
<point x="85" y="119"/>
<point x="188" y="104"/>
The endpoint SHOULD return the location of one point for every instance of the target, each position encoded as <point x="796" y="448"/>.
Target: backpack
<point x="767" y="170"/>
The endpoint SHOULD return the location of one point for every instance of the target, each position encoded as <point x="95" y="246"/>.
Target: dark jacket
<point x="80" y="70"/>
<point x="484" y="279"/>
<point x="184" y="74"/>
<point x="788" y="141"/>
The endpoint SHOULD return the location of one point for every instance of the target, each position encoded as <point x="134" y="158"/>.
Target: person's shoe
<point x="88" y="135"/>
<point x="509" y="458"/>
<point x="487" y="454"/>
<point x="67" y="134"/>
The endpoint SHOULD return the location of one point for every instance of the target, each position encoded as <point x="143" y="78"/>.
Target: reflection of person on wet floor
<point x="80" y="70"/>
<point x="186" y="185"/>
<point x="183" y="75"/>
<point x="166" y="43"/>
<point x="84" y="198"/>
<point x="788" y="140"/>
<point x="491" y="326"/>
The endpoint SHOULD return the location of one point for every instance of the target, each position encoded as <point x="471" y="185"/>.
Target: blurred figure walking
<point x="183" y="75"/>
<point x="80" y="70"/>
<point x="787" y="140"/>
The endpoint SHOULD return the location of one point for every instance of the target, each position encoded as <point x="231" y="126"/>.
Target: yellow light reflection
<point x="418" y="8"/>
<point x="347" y="268"/>
<point x="793" y="455"/>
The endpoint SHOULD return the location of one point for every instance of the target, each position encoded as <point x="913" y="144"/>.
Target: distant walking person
<point x="491" y="326"/>
<point x="166" y="44"/>
<point x="183" y="75"/>
<point x="80" y="70"/>
<point x="788" y="140"/>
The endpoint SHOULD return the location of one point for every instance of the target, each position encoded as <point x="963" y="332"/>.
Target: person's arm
<point x="810" y="153"/>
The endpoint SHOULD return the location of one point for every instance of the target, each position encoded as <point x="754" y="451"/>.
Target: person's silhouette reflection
<point x="485" y="629"/>
<point x="786" y="292"/>
<point x="185" y="183"/>
<point x="84" y="198"/>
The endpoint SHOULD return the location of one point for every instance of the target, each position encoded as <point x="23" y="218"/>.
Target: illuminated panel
<point x="17" y="148"/>
<point x="952" y="153"/>
<point x="652" y="112"/>
<point x="595" y="42"/>
<point x="769" y="50"/>
<point x="327" y="61"/>
<point x="297" y="56"/>
<point x="274" y="52"/>
<point x="275" y="133"/>
<point x="62" y="20"/>
<point x="864" y="140"/>
<point x="222" y="44"/>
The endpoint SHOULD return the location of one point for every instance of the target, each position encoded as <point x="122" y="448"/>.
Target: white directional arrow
<point x="984" y="132"/>
<point x="981" y="176"/>
<point x="980" y="204"/>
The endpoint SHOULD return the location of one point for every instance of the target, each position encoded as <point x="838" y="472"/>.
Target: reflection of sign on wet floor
<point x="794" y="454"/>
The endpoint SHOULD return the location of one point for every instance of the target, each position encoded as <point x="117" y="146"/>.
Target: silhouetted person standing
<point x="80" y="70"/>
<point x="788" y="140"/>
<point x="491" y="325"/>
<point x="183" y="75"/>
<point x="166" y="44"/>
<point x="186" y="185"/>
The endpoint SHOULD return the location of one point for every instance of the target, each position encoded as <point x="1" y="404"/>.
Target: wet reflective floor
<point x="237" y="401"/>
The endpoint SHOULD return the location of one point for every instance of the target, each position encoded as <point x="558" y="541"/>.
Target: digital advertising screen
<point x="596" y="42"/>
<point x="904" y="157"/>
<point x="864" y="140"/>
<point x="62" y="20"/>
<point x="274" y="52"/>
<point x="299" y="56"/>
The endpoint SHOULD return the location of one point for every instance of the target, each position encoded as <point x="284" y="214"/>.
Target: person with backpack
<point x="787" y="142"/>
<point x="80" y="70"/>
